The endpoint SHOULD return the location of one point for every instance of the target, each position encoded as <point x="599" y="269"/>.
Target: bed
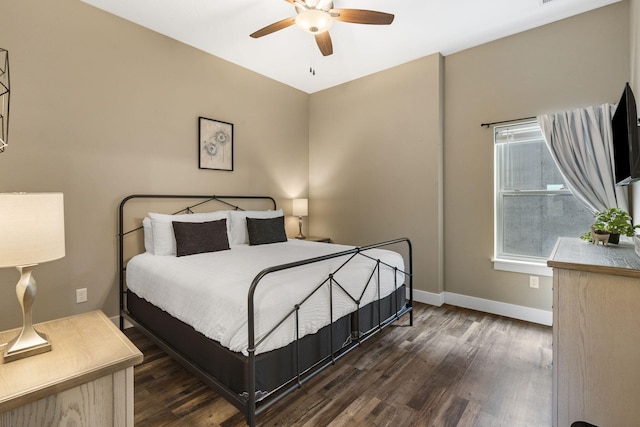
<point x="255" y="315"/>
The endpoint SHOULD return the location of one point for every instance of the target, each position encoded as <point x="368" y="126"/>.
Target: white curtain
<point x="581" y="144"/>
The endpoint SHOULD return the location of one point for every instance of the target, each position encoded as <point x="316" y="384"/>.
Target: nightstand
<point x="318" y="239"/>
<point x="86" y="379"/>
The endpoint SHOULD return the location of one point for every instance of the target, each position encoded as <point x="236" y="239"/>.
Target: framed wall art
<point x="215" y="144"/>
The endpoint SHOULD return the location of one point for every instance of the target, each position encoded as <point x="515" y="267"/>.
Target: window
<point x="533" y="205"/>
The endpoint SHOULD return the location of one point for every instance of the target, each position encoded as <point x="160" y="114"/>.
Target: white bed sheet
<point x="209" y="291"/>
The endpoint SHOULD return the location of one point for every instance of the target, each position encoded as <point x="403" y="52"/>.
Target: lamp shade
<point x="300" y="207"/>
<point x="31" y="228"/>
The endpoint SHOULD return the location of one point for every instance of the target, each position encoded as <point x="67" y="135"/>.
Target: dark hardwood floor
<point x="454" y="367"/>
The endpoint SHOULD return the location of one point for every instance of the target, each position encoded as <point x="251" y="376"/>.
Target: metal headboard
<point x="226" y="201"/>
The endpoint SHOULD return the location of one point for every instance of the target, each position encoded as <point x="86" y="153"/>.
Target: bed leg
<point x="251" y="402"/>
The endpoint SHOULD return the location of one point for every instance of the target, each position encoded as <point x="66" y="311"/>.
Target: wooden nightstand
<point x="85" y="380"/>
<point x="318" y="239"/>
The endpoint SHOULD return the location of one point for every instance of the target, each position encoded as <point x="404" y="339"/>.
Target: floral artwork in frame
<point x="215" y="144"/>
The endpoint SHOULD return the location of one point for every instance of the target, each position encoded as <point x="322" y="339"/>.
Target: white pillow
<point x="164" y="241"/>
<point x="148" y="234"/>
<point x="237" y="224"/>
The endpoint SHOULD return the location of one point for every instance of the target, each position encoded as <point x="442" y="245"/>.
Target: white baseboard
<point x="428" y="297"/>
<point x="528" y="314"/>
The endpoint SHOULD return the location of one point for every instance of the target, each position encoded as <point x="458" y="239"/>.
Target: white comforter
<point x="209" y="291"/>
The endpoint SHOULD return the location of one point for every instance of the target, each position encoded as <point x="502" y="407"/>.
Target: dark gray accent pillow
<point x="200" y="237"/>
<point x="266" y="230"/>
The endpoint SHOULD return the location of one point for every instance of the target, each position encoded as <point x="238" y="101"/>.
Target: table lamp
<point x="31" y="232"/>
<point x="300" y="209"/>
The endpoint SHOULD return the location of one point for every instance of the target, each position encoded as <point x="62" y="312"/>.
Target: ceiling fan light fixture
<point x="314" y="21"/>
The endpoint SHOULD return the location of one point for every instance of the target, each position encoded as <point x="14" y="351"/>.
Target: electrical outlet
<point x="534" y="282"/>
<point x="81" y="295"/>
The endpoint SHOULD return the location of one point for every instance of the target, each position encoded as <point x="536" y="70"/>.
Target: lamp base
<point x="300" y="235"/>
<point x="29" y="342"/>
<point x="20" y="348"/>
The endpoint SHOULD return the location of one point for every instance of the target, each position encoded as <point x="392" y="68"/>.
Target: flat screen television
<point x="626" y="147"/>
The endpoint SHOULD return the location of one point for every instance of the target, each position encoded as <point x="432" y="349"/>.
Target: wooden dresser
<point x="85" y="380"/>
<point x="596" y="334"/>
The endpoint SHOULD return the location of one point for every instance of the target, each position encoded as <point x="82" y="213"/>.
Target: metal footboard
<point x="301" y="377"/>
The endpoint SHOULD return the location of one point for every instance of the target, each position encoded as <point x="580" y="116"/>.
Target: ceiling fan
<point x="316" y="17"/>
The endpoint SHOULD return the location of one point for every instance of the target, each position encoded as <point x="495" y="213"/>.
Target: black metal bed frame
<point x="250" y="404"/>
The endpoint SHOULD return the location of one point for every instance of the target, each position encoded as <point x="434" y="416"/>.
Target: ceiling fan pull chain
<point x="312" y="65"/>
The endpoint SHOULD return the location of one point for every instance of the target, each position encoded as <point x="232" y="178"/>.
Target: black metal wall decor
<point x="4" y="99"/>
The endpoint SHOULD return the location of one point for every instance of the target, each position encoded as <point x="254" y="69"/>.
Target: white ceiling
<point x="420" y="28"/>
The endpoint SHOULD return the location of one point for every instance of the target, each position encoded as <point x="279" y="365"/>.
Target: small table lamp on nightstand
<point x="32" y="231"/>
<point x="300" y="209"/>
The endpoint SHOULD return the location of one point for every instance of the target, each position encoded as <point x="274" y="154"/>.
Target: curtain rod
<point x="506" y="121"/>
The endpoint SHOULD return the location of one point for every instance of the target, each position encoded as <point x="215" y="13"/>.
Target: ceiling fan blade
<point x="360" y="16"/>
<point x="324" y="43"/>
<point x="300" y="4"/>
<point x="324" y="4"/>
<point x="274" y="27"/>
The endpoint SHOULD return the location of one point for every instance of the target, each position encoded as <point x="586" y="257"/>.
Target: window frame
<point x="500" y="260"/>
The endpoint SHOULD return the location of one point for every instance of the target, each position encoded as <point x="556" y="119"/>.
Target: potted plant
<point x="612" y="221"/>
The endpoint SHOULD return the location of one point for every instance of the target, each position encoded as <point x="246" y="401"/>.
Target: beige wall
<point x="375" y="164"/>
<point x="375" y="145"/>
<point x="102" y="108"/>
<point x="576" y="62"/>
